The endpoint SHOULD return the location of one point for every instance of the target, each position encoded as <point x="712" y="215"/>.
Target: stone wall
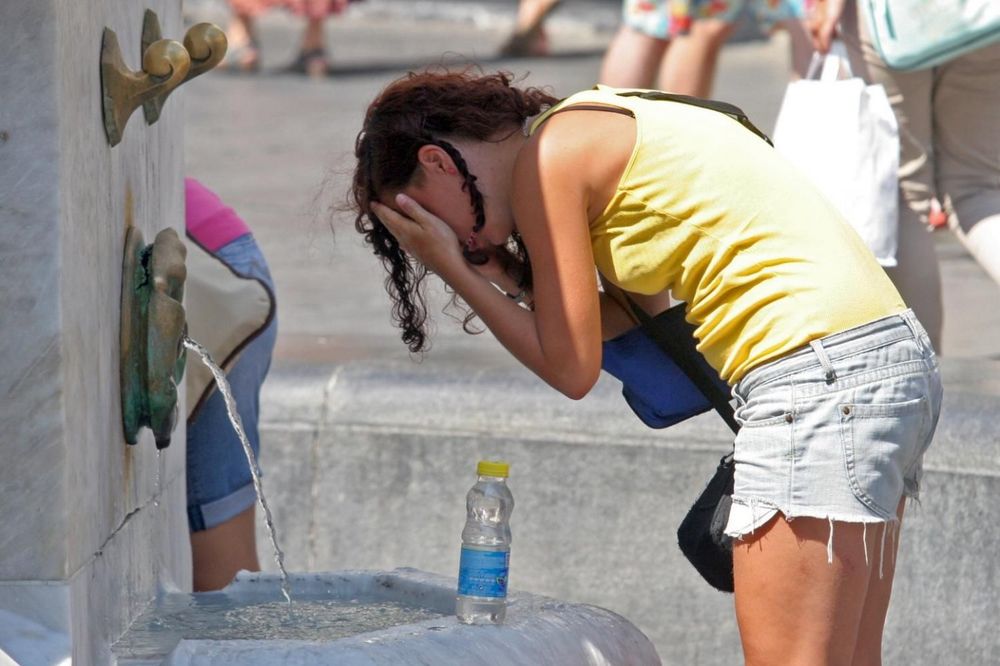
<point x="86" y="540"/>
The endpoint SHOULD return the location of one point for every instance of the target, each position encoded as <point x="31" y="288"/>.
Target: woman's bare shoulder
<point x="585" y="149"/>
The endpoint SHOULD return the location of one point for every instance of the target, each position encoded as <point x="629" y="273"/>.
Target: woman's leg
<point x="868" y="650"/>
<point x="532" y="13"/>
<point x="312" y="58"/>
<point x="835" y="436"/>
<point x="312" y="36"/>
<point x="240" y="30"/>
<point x="219" y="552"/>
<point x="243" y="53"/>
<point x="689" y="68"/>
<point x="528" y="38"/>
<point x="797" y="608"/>
<point x="632" y="59"/>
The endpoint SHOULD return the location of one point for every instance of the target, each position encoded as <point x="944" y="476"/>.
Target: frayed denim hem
<point x="750" y="514"/>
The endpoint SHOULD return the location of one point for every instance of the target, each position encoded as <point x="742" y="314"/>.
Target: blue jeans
<point x="219" y="483"/>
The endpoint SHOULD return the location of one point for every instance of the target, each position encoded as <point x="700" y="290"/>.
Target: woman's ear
<point x="435" y="160"/>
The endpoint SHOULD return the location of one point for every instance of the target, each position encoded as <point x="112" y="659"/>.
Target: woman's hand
<point x="421" y="234"/>
<point x="822" y="22"/>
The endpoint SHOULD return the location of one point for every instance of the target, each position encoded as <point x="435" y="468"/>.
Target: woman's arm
<point x="552" y="191"/>
<point x="822" y="22"/>
<point x="428" y="238"/>
<point x="616" y="315"/>
<point x="557" y="185"/>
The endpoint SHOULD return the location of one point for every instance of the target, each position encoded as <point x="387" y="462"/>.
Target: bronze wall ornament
<point x="164" y="65"/>
<point x="205" y="43"/>
<point x="153" y="326"/>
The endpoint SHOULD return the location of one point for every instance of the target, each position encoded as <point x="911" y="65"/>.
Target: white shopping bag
<point x="843" y="134"/>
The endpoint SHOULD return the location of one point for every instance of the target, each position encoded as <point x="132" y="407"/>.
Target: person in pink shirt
<point x="220" y="491"/>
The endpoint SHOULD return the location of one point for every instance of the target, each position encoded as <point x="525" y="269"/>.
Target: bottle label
<point x="483" y="573"/>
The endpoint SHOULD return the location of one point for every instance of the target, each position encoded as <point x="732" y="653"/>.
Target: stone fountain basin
<point x="354" y="618"/>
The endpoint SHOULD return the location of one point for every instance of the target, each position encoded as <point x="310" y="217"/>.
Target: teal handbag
<point x="916" y="34"/>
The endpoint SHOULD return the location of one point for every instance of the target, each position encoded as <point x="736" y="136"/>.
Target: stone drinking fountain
<point x="94" y="556"/>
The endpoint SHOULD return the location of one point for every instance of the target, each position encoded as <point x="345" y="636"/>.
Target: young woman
<point x="464" y="176"/>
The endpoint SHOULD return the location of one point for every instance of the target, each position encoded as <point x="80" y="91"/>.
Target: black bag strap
<point x="683" y="352"/>
<point x="730" y="110"/>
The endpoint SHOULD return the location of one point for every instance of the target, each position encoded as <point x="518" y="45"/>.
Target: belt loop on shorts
<point x="735" y="397"/>
<point x="824" y="360"/>
<point x="910" y="319"/>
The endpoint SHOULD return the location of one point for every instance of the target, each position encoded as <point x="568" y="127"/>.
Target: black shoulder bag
<point x="701" y="535"/>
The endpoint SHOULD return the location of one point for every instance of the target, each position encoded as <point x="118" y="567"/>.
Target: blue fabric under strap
<point x="654" y="386"/>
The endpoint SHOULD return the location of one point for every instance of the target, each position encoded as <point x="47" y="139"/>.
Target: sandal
<point x="530" y="41"/>
<point x="313" y="63"/>
<point x="528" y="44"/>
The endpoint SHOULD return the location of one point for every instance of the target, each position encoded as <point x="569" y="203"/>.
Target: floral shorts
<point x="664" y="19"/>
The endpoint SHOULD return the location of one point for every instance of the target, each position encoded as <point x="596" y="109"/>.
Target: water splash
<point x="234" y="417"/>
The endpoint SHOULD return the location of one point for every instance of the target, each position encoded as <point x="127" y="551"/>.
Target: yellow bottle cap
<point x="493" y="468"/>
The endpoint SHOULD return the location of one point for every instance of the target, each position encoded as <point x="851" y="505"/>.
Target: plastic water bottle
<point x="482" y="574"/>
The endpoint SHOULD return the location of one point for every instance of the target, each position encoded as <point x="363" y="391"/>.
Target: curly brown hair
<point x="416" y="110"/>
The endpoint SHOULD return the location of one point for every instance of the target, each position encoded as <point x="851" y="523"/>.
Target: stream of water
<point x="234" y="417"/>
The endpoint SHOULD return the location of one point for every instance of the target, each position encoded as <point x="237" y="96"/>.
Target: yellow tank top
<point x="708" y="210"/>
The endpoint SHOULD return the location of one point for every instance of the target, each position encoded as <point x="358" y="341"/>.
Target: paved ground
<point x="277" y="147"/>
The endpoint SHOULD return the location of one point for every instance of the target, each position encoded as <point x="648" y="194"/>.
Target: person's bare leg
<point x="528" y="37"/>
<point x="796" y="608"/>
<point x="239" y="30"/>
<point x="868" y="651"/>
<point x="689" y="68"/>
<point x="312" y="58"/>
<point x="312" y="36"/>
<point x="242" y="42"/>
<point x="632" y="59"/>
<point x="219" y="552"/>
<point x="531" y="13"/>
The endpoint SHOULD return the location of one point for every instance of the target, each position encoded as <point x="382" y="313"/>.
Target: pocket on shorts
<point x="880" y="442"/>
<point x="765" y="408"/>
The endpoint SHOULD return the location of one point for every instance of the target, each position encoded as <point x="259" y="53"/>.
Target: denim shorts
<point x="837" y="430"/>
<point x="219" y="483"/>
